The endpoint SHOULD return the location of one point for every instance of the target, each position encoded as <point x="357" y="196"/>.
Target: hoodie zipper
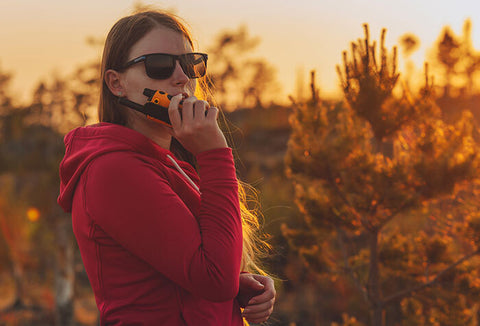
<point x="180" y="170"/>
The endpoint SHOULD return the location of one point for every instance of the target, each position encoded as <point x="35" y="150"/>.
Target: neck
<point x="151" y="129"/>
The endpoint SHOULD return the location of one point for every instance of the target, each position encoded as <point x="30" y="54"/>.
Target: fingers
<point x="199" y="109"/>
<point x="173" y="113"/>
<point x="258" y="313"/>
<point x="266" y="296"/>
<point x="268" y="283"/>
<point x="260" y="307"/>
<point x="268" y="292"/>
<point x="212" y="113"/>
<point x="249" y="287"/>
<point x="187" y="110"/>
<point x="195" y="131"/>
<point x="192" y="110"/>
<point x="258" y="318"/>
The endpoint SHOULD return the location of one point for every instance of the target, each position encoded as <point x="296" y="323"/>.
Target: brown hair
<point x="121" y="38"/>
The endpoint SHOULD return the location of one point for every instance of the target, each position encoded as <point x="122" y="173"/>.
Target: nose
<point x="179" y="76"/>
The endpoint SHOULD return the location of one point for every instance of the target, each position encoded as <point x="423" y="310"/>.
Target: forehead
<point x="161" y="40"/>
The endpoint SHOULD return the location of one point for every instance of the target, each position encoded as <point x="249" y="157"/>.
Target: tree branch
<point x="406" y="204"/>
<point x="408" y="292"/>
<point x="347" y="269"/>
<point x="345" y="200"/>
<point x="373" y="284"/>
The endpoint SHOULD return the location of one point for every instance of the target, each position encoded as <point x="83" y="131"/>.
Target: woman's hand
<point x="257" y="295"/>
<point x="194" y="129"/>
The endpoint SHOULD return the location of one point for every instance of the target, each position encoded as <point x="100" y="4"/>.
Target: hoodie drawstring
<point x="179" y="169"/>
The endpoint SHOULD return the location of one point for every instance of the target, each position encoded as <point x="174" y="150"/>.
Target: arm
<point x="138" y="208"/>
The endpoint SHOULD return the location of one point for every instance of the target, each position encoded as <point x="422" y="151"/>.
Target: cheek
<point x="136" y="81"/>
<point x="191" y="87"/>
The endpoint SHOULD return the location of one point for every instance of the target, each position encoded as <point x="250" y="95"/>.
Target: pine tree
<point x="380" y="181"/>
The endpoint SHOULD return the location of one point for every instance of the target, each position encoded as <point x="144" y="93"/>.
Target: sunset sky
<point x="42" y="38"/>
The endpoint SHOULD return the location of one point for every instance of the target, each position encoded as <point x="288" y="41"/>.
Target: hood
<point x="84" y="144"/>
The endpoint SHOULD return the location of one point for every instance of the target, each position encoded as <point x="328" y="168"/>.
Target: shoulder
<point x="115" y="181"/>
<point x="124" y="167"/>
<point x="118" y="159"/>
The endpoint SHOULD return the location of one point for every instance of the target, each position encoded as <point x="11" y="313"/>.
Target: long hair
<point x="123" y="35"/>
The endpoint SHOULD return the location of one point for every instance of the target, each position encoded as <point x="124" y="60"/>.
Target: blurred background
<point x="356" y="122"/>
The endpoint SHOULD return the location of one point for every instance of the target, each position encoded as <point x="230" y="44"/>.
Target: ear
<point x="113" y="79"/>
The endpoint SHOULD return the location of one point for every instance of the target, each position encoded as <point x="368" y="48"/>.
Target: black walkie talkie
<point x="156" y="107"/>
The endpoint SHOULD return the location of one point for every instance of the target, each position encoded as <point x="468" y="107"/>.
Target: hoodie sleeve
<point x="136" y="206"/>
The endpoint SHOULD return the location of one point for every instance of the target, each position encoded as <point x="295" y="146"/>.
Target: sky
<point x="40" y="39"/>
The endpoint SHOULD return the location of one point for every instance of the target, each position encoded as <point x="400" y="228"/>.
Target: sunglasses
<point x="162" y="65"/>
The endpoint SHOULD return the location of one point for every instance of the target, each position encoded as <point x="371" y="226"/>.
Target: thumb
<point x="256" y="284"/>
<point x="249" y="281"/>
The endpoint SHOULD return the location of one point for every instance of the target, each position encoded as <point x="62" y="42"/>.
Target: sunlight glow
<point x="33" y="214"/>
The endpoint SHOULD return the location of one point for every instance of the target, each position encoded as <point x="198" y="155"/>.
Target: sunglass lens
<point x="159" y="66"/>
<point x="193" y="65"/>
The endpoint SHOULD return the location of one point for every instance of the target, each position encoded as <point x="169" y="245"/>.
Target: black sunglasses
<point x="162" y="65"/>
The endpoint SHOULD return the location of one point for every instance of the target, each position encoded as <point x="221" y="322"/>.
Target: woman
<point x="161" y="244"/>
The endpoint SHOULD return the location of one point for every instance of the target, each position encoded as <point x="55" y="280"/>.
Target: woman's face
<point x="159" y="40"/>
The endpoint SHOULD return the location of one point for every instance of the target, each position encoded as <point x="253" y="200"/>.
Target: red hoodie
<point x="156" y="250"/>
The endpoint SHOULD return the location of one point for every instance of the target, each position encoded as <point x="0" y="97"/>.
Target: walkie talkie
<point x="156" y="107"/>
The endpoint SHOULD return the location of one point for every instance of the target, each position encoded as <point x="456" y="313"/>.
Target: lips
<point x="184" y="94"/>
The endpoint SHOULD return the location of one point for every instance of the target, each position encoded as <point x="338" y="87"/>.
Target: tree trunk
<point x="378" y="316"/>
<point x="17" y="273"/>
<point x="374" y="292"/>
<point x="64" y="273"/>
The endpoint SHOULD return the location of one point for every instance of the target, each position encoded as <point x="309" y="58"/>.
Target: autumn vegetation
<point x="370" y="200"/>
<point x="386" y="186"/>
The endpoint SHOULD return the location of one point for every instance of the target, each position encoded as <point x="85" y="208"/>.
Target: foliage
<point x="237" y="79"/>
<point x="457" y="60"/>
<point x="31" y="147"/>
<point x="368" y="176"/>
<point x="398" y="169"/>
